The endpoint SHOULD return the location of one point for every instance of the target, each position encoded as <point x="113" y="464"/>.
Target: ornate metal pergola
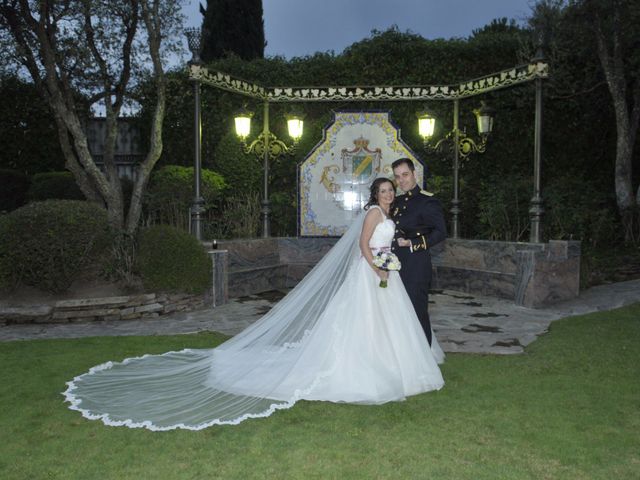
<point x="535" y="71"/>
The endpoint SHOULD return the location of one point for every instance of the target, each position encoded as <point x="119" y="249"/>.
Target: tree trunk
<point x="151" y="18"/>
<point x="613" y="67"/>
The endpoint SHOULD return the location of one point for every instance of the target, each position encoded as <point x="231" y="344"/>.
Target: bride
<point x="338" y="336"/>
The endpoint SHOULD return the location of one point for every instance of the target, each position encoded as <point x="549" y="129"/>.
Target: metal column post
<point x="455" y="202"/>
<point x="266" y="210"/>
<point x="536" y="210"/>
<point x="198" y="202"/>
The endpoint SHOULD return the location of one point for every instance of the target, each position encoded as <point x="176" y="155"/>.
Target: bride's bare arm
<point x="373" y="218"/>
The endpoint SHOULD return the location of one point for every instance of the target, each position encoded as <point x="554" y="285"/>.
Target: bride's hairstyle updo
<point x="374" y="189"/>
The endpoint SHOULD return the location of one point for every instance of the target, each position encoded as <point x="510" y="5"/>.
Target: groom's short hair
<point x="406" y="161"/>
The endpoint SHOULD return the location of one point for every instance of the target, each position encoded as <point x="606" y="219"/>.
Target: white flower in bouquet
<point x="386" y="261"/>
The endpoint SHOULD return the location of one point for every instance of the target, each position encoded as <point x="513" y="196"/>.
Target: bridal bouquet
<point x="386" y="261"/>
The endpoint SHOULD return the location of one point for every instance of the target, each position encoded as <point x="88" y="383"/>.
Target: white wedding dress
<point x="338" y="336"/>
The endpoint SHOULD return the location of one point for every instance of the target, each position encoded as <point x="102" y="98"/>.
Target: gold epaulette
<point x="428" y="194"/>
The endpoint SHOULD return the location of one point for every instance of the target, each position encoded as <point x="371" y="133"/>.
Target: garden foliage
<point x="28" y="133"/>
<point x="579" y="132"/>
<point x="232" y="26"/>
<point x="13" y="189"/>
<point x="49" y="244"/>
<point x="54" y="185"/>
<point x="496" y="187"/>
<point x="171" y="260"/>
<point x="169" y="195"/>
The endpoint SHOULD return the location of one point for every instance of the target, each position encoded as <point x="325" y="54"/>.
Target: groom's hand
<point x="402" y="242"/>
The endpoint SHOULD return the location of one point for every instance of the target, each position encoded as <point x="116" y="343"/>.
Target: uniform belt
<point x="413" y="232"/>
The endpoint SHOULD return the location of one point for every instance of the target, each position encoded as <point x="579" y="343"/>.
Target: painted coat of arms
<point x="349" y="185"/>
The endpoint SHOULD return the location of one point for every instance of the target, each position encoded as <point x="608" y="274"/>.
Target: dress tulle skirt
<point x="365" y="346"/>
<point x="368" y="347"/>
<point x="378" y="351"/>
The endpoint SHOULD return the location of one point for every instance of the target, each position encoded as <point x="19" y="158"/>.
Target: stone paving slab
<point x="463" y="322"/>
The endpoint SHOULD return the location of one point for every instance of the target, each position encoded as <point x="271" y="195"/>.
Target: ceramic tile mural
<point x="334" y="178"/>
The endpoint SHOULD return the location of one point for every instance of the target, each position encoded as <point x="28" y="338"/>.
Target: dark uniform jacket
<point x="418" y="217"/>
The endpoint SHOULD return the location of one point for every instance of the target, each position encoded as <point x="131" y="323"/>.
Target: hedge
<point x="171" y="260"/>
<point x="48" y="244"/>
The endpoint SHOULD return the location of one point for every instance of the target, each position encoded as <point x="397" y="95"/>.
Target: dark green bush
<point x="283" y="214"/>
<point x="13" y="189"/>
<point x="503" y="204"/>
<point x="47" y="244"/>
<point x="242" y="172"/>
<point x="169" y="259"/>
<point x="238" y="217"/>
<point x="170" y="194"/>
<point x="578" y="208"/>
<point x="54" y="185"/>
<point x="28" y="131"/>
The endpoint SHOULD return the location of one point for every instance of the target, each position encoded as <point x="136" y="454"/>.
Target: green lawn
<point x="568" y="408"/>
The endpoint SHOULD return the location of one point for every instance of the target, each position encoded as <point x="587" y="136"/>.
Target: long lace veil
<point x="246" y="377"/>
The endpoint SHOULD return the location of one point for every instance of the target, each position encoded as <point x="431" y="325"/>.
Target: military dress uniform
<point x="418" y="217"/>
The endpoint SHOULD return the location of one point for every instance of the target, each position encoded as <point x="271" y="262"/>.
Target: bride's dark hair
<point x="374" y="189"/>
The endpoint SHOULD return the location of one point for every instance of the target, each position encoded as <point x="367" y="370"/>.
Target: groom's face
<point x="405" y="177"/>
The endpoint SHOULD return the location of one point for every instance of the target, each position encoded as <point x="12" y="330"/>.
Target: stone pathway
<point x="463" y="322"/>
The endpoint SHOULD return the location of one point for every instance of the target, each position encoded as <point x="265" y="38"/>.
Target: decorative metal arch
<point x="537" y="70"/>
<point x="503" y="79"/>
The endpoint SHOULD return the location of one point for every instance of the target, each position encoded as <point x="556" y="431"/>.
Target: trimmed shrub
<point x="54" y="185"/>
<point x="47" y="244"/>
<point x="13" y="189"/>
<point x="170" y="194"/>
<point x="169" y="259"/>
<point x="239" y="217"/>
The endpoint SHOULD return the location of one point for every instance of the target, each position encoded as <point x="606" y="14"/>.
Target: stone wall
<point x="254" y="266"/>
<point x="107" y="308"/>
<point x="262" y="264"/>
<point x="530" y="274"/>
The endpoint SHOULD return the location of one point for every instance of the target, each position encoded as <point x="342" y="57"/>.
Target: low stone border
<point x="532" y="275"/>
<point x="128" y="307"/>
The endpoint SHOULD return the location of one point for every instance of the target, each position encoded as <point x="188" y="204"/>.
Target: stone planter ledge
<point x="126" y="307"/>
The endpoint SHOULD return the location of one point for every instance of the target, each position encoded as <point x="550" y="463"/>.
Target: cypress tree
<point x="232" y="26"/>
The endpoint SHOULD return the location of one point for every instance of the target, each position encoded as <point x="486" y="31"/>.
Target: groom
<point x="419" y="226"/>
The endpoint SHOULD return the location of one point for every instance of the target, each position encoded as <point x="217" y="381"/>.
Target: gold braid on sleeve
<point x="420" y="245"/>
